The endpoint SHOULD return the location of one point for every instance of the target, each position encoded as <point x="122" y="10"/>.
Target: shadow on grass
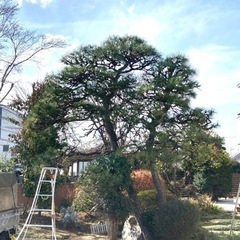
<point x="220" y="226"/>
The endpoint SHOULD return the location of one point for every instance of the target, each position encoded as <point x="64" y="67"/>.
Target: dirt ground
<point x="80" y="231"/>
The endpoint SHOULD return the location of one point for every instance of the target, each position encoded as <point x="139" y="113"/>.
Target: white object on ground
<point x="131" y="229"/>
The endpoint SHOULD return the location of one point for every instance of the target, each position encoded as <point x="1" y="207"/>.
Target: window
<point x="5" y="148"/>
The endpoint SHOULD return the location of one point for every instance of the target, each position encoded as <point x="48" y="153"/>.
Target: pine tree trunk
<point x="138" y="211"/>
<point x="112" y="226"/>
<point x="161" y="197"/>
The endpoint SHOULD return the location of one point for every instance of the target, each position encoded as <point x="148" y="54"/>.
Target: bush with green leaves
<point x="206" y="205"/>
<point x="214" y="176"/>
<point x="175" y="220"/>
<point x="6" y="165"/>
<point x="104" y="186"/>
<point x="204" y="234"/>
<point x="86" y="199"/>
<point x="148" y="199"/>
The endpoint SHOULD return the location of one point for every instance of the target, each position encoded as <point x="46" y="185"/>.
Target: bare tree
<point x="18" y="45"/>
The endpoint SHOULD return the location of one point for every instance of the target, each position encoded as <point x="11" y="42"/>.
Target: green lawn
<point x="220" y="226"/>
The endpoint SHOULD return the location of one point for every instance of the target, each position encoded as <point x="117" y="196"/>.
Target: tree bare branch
<point x="18" y="46"/>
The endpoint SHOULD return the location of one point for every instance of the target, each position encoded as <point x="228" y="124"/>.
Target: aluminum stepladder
<point x="235" y="208"/>
<point x="48" y="176"/>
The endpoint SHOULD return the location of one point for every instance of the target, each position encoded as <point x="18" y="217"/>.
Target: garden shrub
<point x="104" y="187"/>
<point x="85" y="198"/>
<point x="142" y="179"/>
<point x="147" y="219"/>
<point x="203" y="234"/>
<point x="170" y="196"/>
<point x="206" y="205"/>
<point x="175" y="220"/>
<point x="148" y="199"/>
<point x="215" y="177"/>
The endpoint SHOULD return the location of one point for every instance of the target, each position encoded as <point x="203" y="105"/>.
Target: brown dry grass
<point x="80" y="232"/>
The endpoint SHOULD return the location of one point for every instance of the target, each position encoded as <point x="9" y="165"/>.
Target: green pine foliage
<point x="127" y="98"/>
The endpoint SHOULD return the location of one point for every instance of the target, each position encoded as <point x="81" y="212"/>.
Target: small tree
<point x="18" y="45"/>
<point x="214" y="176"/>
<point x="109" y="178"/>
<point x="189" y="151"/>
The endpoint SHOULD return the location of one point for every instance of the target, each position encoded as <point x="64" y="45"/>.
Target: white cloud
<point x="19" y="2"/>
<point x="131" y="8"/>
<point x="147" y="27"/>
<point x="218" y="74"/>
<point x="42" y="3"/>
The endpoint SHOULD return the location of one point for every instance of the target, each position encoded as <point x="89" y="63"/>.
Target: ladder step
<point x="46" y="181"/>
<point x="38" y="225"/>
<point x="44" y="178"/>
<point x="49" y="168"/>
<point x="44" y="195"/>
<point x="41" y="210"/>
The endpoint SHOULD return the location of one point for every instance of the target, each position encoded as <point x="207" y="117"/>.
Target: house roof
<point x="237" y="156"/>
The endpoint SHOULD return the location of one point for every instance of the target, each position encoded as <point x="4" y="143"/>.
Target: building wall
<point x="7" y="127"/>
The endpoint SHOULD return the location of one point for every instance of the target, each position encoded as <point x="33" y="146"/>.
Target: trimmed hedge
<point x="175" y="220"/>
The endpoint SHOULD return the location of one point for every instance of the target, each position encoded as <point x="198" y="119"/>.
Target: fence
<point x="99" y="228"/>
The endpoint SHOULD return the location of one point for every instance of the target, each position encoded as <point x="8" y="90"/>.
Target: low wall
<point x="64" y="194"/>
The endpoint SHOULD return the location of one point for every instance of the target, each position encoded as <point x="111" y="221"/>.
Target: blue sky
<point x="207" y="32"/>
